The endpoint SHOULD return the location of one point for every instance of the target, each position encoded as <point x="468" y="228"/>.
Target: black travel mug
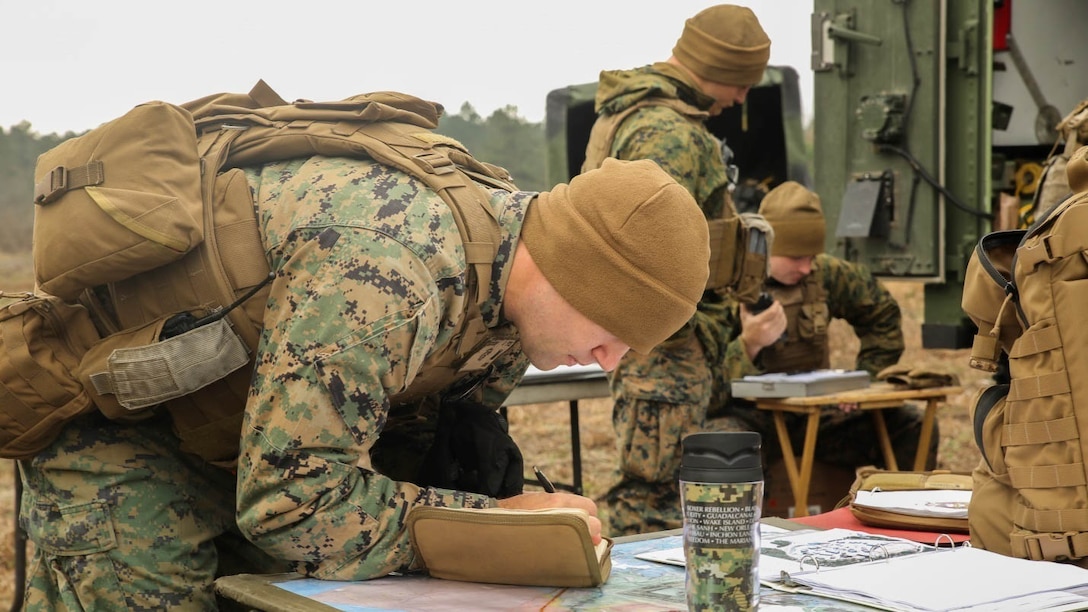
<point x="721" y="491"/>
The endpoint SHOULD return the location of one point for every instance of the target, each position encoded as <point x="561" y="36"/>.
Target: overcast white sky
<point x="71" y="65"/>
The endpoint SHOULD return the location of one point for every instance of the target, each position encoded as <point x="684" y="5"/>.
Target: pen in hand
<point x="544" y="482"/>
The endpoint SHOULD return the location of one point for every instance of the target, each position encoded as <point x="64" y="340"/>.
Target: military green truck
<point x="932" y="124"/>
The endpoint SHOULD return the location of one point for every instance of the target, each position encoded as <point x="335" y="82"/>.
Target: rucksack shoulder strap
<point x="392" y="128"/>
<point x="1004" y="241"/>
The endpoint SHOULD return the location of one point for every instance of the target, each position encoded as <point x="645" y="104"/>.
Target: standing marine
<point x="660" y="112"/>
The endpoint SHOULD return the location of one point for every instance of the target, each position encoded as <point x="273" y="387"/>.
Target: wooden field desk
<point x="875" y="398"/>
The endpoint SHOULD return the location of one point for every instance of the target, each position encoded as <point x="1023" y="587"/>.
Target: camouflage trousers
<point x="122" y="520"/>
<point x="657" y="400"/>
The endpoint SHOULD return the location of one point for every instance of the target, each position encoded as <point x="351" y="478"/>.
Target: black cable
<point x="917" y="166"/>
<point x="903" y="152"/>
<point x="186" y="322"/>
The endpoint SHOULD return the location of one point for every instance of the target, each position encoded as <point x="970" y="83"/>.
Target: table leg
<point x="800" y="479"/>
<point x="800" y="498"/>
<point x="890" y="462"/>
<point x="788" y="457"/>
<point x="926" y="434"/>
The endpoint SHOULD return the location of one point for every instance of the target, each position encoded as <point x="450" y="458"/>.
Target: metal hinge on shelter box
<point x="802" y="384"/>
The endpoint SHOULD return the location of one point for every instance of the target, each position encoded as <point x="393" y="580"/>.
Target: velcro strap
<point x="61" y="180"/>
<point x="434" y="162"/>
<point x="1031" y="387"/>
<point x="144" y="376"/>
<point x="1047" y="476"/>
<point x="1058" y="430"/>
<point x="480" y="253"/>
<point x="1036" y="341"/>
<point x="1050" y="546"/>
<point x="1063" y="244"/>
<point x="1050" y="521"/>
<point x="1031" y="255"/>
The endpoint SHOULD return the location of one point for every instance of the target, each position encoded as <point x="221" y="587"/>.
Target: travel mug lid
<point x="721" y="456"/>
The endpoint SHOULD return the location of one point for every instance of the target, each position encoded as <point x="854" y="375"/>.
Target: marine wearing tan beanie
<point x="626" y="245"/>
<point x="724" y="44"/>
<point x="798" y="221"/>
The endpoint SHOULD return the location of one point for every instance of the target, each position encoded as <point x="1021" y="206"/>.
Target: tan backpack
<point x="146" y="246"/>
<point x="1027" y="290"/>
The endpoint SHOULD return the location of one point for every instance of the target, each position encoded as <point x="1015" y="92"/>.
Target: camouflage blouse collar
<point x="510" y="208"/>
<point x="621" y="89"/>
<point x="687" y="90"/>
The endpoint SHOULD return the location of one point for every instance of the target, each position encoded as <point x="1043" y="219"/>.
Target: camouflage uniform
<point x="849" y="440"/>
<point x="660" y="397"/>
<point x="370" y="287"/>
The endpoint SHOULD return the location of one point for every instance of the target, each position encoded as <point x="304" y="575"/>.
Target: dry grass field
<point x="542" y="431"/>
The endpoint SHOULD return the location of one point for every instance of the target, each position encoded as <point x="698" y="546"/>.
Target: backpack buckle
<point x="1049" y="546"/>
<point x="61" y="180"/>
<point x="52" y="186"/>
<point x="434" y="162"/>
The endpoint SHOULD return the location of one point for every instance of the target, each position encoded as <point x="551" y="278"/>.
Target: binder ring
<point x="815" y="561"/>
<point x="951" y="542"/>
<point x="877" y="547"/>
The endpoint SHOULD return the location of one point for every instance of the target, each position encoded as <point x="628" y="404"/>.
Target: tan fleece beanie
<point x="724" y="44"/>
<point x="798" y="221"/>
<point x="626" y="245"/>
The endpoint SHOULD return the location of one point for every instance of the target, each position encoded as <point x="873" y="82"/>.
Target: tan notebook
<point x="525" y="547"/>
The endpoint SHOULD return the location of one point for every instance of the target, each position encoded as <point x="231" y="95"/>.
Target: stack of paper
<point x="961" y="578"/>
<point x="931" y="502"/>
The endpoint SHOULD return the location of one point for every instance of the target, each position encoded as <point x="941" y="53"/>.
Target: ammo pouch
<point x="42" y="340"/>
<point x="133" y="370"/>
<point x="739" y="255"/>
<point x="474" y="452"/>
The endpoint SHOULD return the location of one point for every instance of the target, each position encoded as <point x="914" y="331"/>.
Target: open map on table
<point x="635" y="584"/>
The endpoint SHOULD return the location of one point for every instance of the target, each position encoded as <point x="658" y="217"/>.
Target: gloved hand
<point x="473" y="451"/>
